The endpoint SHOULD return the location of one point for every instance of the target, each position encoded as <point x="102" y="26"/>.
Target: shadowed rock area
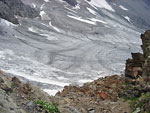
<point x="10" y="8"/>
<point x="71" y="2"/>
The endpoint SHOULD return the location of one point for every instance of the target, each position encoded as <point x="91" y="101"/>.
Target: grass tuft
<point x="52" y="108"/>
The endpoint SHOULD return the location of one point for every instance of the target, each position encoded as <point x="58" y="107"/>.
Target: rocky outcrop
<point x="10" y="8"/>
<point x="139" y="65"/>
<point x="99" y="96"/>
<point x="6" y="13"/>
<point x="18" y="97"/>
<point x="134" y="66"/>
<point x="71" y="2"/>
<point x="146" y="50"/>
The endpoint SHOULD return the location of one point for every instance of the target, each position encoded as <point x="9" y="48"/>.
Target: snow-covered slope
<point x="72" y="44"/>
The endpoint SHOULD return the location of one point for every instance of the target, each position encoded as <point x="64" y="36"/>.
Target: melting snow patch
<point x="77" y="7"/>
<point x="101" y="4"/>
<point x="44" y="16"/>
<point x="46" y="0"/>
<point x="70" y="10"/>
<point x="52" y="92"/>
<point x="42" y="6"/>
<point x="126" y="17"/>
<point x="32" y="29"/>
<point x="33" y="5"/>
<point x="82" y="20"/>
<point x="84" y="81"/>
<point x="122" y="7"/>
<point x="97" y="20"/>
<point x="91" y="11"/>
<point x="6" y="23"/>
<point x="55" y="28"/>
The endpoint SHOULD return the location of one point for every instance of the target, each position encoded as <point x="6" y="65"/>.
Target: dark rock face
<point x="134" y="66"/>
<point x="6" y="13"/>
<point x="10" y="8"/>
<point x="146" y="43"/>
<point x="71" y="2"/>
<point x="139" y="65"/>
<point x="146" y="50"/>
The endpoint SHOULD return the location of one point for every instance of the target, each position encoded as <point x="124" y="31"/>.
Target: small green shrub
<point x="141" y="104"/>
<point x="52" y="108"/>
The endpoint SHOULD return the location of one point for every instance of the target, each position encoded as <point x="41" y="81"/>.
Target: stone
<point x="137" y="71"/>
<point x="5" y="87"/>
<point x="91" y="110"/>
<point x="134" y="66"/>
<point x="16" y="81"/>
<point x="103" y="95"/>
<point x="72" y="109"/>
<point x="30" y="105"/>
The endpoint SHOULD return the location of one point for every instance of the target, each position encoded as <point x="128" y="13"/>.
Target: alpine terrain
<point x="53" y="43"/>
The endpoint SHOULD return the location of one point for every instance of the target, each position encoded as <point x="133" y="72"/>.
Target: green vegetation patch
<point x="52" y="108"/>
<point x="141" y="104"/>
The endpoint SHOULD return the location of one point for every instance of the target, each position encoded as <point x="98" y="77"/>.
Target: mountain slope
<point x="72" y="43"/>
